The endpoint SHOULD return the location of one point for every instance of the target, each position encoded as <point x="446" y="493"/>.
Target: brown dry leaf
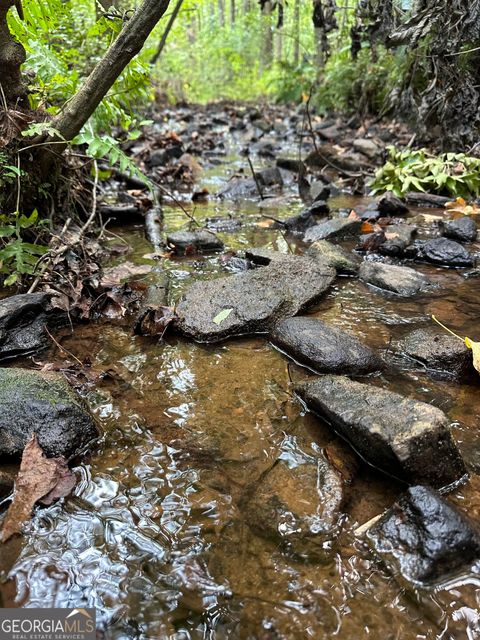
<point x="460" y="206"/>
<point x="114" y="275"/>
<point x="39" y="478"/>
<point x="154" y="321"/>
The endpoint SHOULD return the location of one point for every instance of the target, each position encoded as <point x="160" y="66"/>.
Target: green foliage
<point x="452" y="174"/>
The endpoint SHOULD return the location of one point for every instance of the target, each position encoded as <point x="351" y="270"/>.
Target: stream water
<point x="155" y="537"/>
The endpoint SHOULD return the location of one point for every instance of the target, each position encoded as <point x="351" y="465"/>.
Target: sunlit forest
<point x="239" y="319"/>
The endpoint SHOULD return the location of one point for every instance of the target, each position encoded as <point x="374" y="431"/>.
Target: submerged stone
<point x="437" y="351"/>
<point x="425" y="538"/>
<point x="324" y="348"/>
<point x="297" y="503"/>
<point x="199" y="241"/>
<point x="338" y="257"/>
<point x="42" y="403"/>
<point x="402" y="281"/>
<point x="334" y="228"/>
<point x="253" y="301"/>
<point x="405" y="438"/>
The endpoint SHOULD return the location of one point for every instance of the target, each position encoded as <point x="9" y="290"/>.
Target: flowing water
<point x="155" y="536"/>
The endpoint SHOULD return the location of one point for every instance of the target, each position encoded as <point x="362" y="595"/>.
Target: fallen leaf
<point x="475" y="347"/>
<point x="223" y="315"/>
<point x="39" y="478"/>
<point x="115" y="275"/>
<point x="154" y="321"/>
<point x="460" y="206"/>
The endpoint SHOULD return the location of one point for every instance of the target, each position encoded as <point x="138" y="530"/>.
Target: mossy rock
<point x="44" y="403"/>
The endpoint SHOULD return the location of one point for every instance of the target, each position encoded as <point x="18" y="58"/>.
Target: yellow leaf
<point x="475" y="347"/>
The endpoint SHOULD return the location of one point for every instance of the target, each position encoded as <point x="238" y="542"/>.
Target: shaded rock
<point x="321" y="191"/>
<point x="288" y="164"/>
<point x="238" y="188"/>
<point x="341" y="259"/>
<point x="23" y="322"/>
<point x="425" y="538"/>
<point x="256" y="300"/>
<point x="437" y="351"/>
<point x="269" y="177"/>
<point x="299" y="223"/>
<point x="402" y="281"/>
<point x="462" y="229"/>
<point x="43" y="403"/>
<point x="446" y="252"/>
<point x="297" y="503"/>
<point x="405" y="438"/>
<point x="327" y="155"/>
<point x="324" y="348"/>
<point x="319" y="208"/>
<point x="367" y="148"/>
<point x="370" y="242"/>
<point x="198" y="241"/>
<point x="161" y="157"/>
<point x="8" y="475"/>
<point x="397" y="238"/>
<point x="336" y="228"/>
<point x="390" y="205"/>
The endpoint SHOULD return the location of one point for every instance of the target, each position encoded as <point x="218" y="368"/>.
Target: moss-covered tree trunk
<point x="12" y="56"/>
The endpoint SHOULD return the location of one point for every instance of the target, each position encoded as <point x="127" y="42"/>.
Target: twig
<point x="262" y="197"/>
<point x="55" y="342"/>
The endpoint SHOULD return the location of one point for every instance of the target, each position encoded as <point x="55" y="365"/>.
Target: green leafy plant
<point x="450" y="174"/>
<point x="18" y="257"/>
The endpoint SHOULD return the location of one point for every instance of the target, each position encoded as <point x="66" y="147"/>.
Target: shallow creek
<point x="154" y="535"/>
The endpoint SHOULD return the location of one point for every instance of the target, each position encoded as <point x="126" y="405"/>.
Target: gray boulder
<point x="337" y="257"/>
<point x="405" y="438"/>
<point x="437" y="351"/>
<point x="324" y="348"/>
<point x="199" y="241"/>
<point x="23" y="322"/>
<point x="335" y="228"/>
<point x="425" y="538"/>
<point x="402" y="281"/>
<point x="446" y="252"/>
<point x="253" y="301"/>
<point x="298" y="505"/>
<point x="462" y="229"/>
<point x="42" y="403"/>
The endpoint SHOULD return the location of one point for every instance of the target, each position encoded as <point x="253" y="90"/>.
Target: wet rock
<point x="161" y="157"/>
<point x="369" y="213"/>
<point x="299" y="223"/>
<point x="437" y="351"/>
<point x="397" y="238"/>
<point x="342" y="260"/>
<point x="418" y="199"/>
<point x="43" y="403"/>
<point x="198" y="241"/>
<point x="288" y="164"/>
<point x="425" y="538"/>
<point x="336" y="228"/>
<point x="269" y="177"/>
<point x="319" y="190"/>
<point x="223" y="223"/>
<point x="446" y="252"/>
<point x="255" y="300"/>
<point x="462" y="229"/>
<point x="390" y="205"/>
<point x="319" y="208"/>
<point x="405" y="438"/>
<point x="297" y="503"/>
<point x="324" y="348"/>
<point x="367" y="148"/>
<point x="238" y="188"/>
<point x="8" y="475"/>
<point x="23" y="322"/>
<point x="402" y="281"/>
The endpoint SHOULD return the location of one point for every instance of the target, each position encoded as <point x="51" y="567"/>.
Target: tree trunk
<point x="166" y="33"/>
<point x="267" y="45"/>
<point x="232" y="13"/>
<point x="129" y="43"/>
<point x="296" y="33"/>
<point x="221" y="12"/>
<point x="12" y="56"/>
<point x="324" y="21"/>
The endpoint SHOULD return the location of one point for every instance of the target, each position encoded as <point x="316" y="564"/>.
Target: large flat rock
<point x="254" y="301"/>
<point x="425" y="538"/>
<point x="402" y="281"/>
<point x="42" y="403"/>
<point x="324" y="348"/>
<point x="342" y="260"/>
<point x="405" y="438"/>
<point x="335" y="228"/>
